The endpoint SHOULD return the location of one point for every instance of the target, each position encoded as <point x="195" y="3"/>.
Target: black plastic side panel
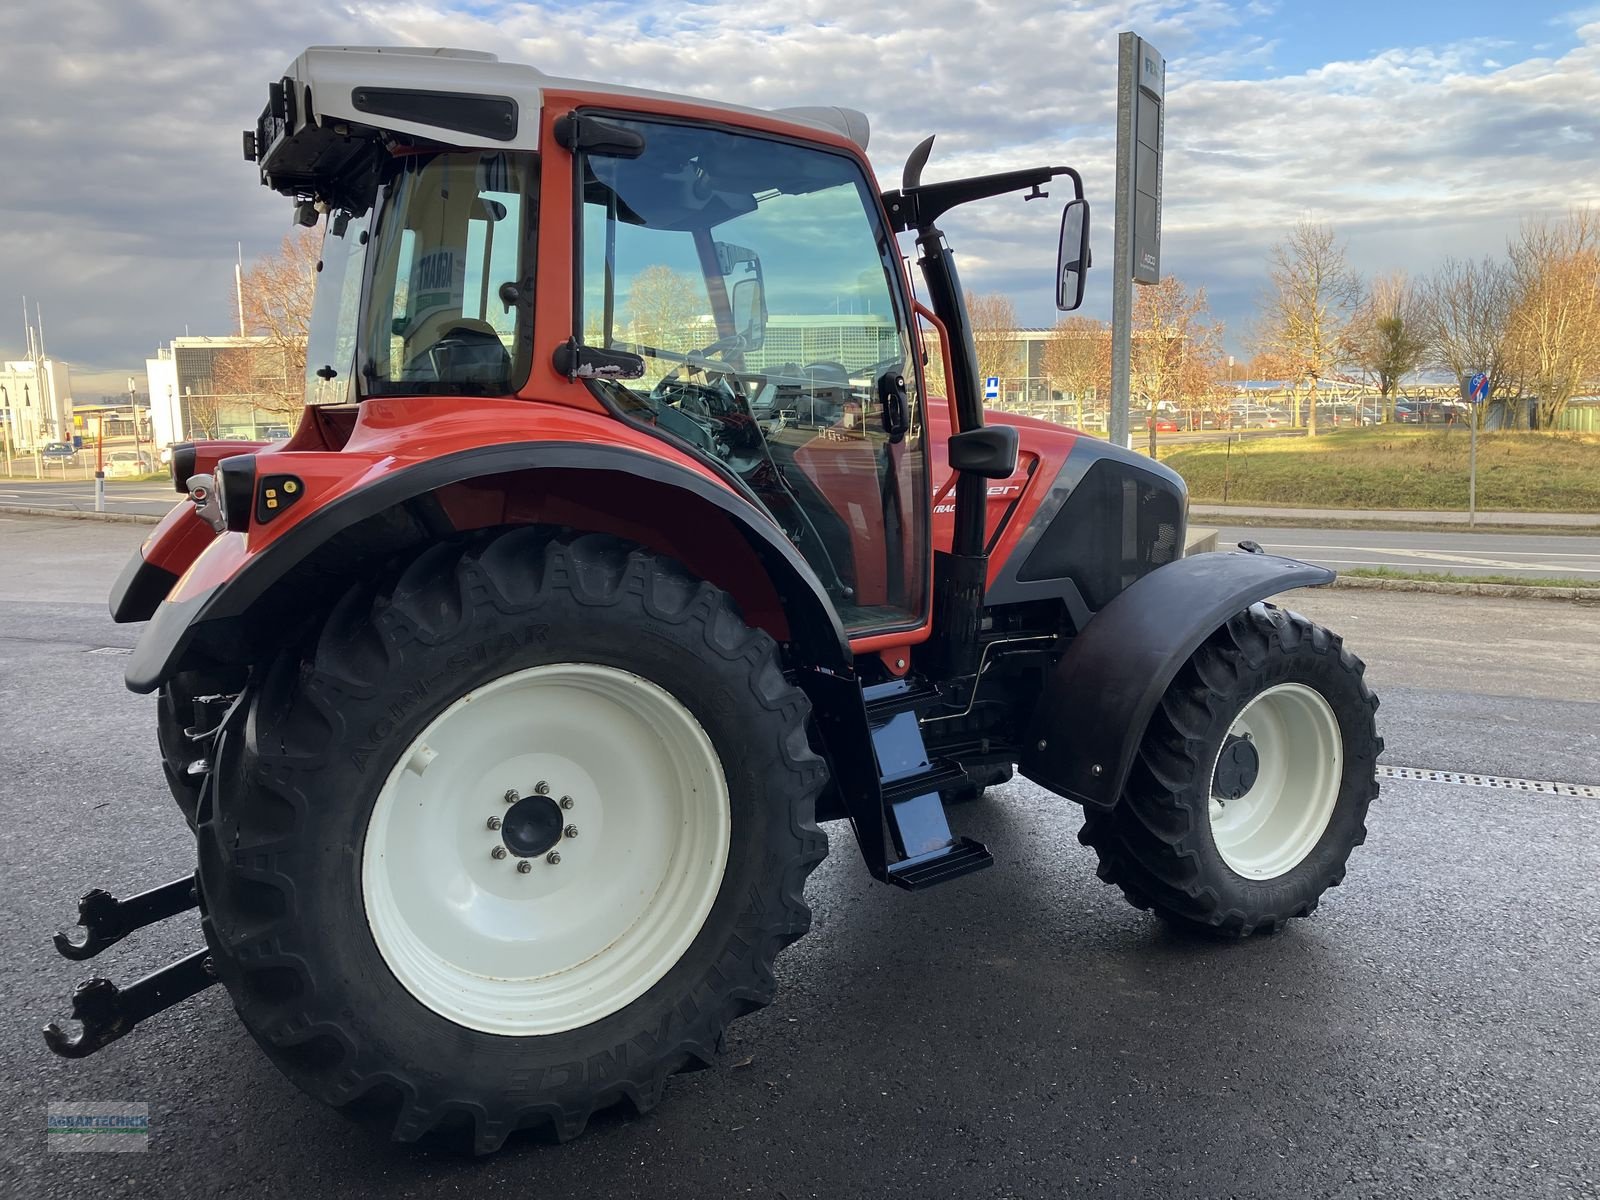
<point x="1014" y="582"/>
<point x="1100" y="696"/>
<point x="814" y="624"/>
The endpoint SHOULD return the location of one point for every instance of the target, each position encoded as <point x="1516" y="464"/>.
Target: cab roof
<point x="470" y="98"/>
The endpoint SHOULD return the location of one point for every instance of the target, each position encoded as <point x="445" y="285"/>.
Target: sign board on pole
<point x="1148" y="123"/>
<point x="1141" y="90"/>
<point x="1478" y="388"/>
<point x="991" y="388"/>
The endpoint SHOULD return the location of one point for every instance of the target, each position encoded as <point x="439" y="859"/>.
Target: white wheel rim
<point x="1271" y="829"/>
<point x="565" y="944"/>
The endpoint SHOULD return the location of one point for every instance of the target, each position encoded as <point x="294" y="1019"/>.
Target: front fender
<point x="233" y="595"/>
<point x="1101" y="694"/>
<point x="161" y="559"/>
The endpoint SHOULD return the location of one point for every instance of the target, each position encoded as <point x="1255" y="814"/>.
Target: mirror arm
<point x="919" y="207"/>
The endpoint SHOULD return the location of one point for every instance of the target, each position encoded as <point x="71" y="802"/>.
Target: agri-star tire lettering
<point x="1166" y="844"/>
<point x="292" y="915"/>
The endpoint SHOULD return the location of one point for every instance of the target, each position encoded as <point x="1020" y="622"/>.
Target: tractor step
<point x="961" y="858"/>
<point x="887" y="700"/>
<point x="107" y="1012"/>
<point x="107" y="920"/>
<point x="940" y="776"/>
<point x="911" y="784"/>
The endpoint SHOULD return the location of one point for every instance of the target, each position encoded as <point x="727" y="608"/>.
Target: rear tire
<point x="358" y="783"/>
<point x="1174" y="846"/>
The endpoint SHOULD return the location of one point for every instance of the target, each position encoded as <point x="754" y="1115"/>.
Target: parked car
<point x="127" y="462"/>
<point x="59" y="452"/>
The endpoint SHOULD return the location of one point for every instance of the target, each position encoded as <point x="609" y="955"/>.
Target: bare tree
<point x="202" y="414"/>
<point x="1314" y="295"/>
<point x="1077" y="358"/>
<point x="1467" y="319"/>
<point x="664" y="308"/>
<point x="994" y="326"/>
<point x="1389" y="334"/>
<point x="1555" y="319"/>
<point x="277" y="291"/>
<point x="1175" y="344"/>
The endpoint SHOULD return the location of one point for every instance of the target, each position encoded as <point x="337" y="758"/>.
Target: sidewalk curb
<point x="1492" y="591"/>
<point x="73" y="514"/>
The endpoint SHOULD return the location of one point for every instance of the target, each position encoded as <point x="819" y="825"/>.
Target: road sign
<point x="991" y="388"/>
<point x="1478" y="388"/>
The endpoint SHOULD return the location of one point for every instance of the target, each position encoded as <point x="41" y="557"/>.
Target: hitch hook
<point x="107" y="1012"/>
<point x="107" y="920"/>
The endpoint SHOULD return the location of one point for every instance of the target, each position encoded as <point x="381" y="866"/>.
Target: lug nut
<point x="566" y="802"/>
<point x="512" y="796"/>
<point x="498" y="852"/>
<point x="494" y="822"/>
<point x="524" y="867"/>
<point x="571" y="831"/>
<point x="553" y="858"/>
<point x="541" y="788"/>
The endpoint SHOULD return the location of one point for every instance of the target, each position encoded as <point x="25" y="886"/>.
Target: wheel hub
<point x="531" y="826"/>
<point x="1237" y="768"/>
<point x="1276" y="781"/>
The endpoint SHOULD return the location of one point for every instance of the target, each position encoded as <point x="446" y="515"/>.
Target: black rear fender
<point x="1100" y="695"/>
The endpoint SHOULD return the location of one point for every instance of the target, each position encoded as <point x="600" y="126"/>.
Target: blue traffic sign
<point x="991" y="388"/>
<point x="1478" y="388"/>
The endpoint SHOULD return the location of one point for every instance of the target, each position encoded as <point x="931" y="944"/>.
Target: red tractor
<point x="619" y="547"/>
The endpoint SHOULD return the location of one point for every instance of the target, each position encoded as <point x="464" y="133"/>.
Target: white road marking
<point x="1540" y="787"/>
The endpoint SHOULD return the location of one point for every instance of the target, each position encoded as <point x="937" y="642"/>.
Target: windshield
<point x="331" y="337"/>
<point x="450" y="300"/>
<point x="753" y="278"/>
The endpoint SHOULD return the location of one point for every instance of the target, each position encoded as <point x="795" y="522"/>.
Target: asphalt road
<point x="1533" y="556"/>
<point x="1433" y="1031"/>
<point x="122" y="495"/>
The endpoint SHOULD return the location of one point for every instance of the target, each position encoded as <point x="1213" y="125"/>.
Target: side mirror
<point x="1072" y="256"/>
<point x="749" y="304"/>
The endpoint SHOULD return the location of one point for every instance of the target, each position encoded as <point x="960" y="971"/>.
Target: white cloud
<point x="124" y="190"/>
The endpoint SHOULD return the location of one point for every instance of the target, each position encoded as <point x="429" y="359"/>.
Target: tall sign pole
<point x="1477" y="390"/>
<point x="1141" y="92"/>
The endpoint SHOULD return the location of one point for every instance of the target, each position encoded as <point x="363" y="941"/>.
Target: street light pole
<point x="5" y="392"/>
<point x="133" y="403"/>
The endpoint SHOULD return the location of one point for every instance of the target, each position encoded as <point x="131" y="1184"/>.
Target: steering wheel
<point x="474" y="345"/>
<point x="467" y="351"/>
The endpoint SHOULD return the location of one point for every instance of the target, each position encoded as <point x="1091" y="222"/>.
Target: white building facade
<point x="35" y="404"/>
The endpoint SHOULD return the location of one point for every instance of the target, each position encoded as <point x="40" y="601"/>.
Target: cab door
<point x="757" y="284"/>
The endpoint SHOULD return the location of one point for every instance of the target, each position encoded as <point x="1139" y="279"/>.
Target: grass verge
<point x="1446" y="577"/>
<point x="1397" y="469"/>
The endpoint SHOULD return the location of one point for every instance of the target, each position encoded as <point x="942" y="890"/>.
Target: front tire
<point x="1252" y="781"/>
<point x="397" y="956"/>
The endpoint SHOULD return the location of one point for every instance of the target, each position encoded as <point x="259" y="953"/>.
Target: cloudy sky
<point x="1419" y="128"/>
